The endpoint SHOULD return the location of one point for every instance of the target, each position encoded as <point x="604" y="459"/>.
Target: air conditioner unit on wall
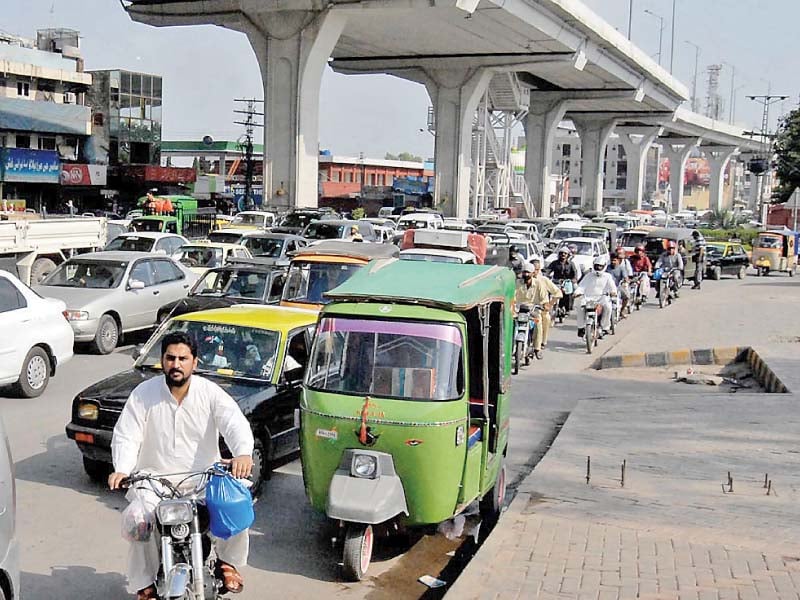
<point x="69" y="98"/>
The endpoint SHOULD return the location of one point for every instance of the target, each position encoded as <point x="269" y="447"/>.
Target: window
<point x="334" y="175"/>
<point x="47" y="143"/>
<point x="23" y="88"/>
<point x="296" y="357"/>
<point x="10" y="296"/>
<point x="165" y="271"/>
<point x="142" y="272"/>
<point x="23" y="141"/>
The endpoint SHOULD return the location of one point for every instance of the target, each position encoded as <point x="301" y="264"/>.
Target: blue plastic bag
<point x="658" y="274"/>
<point x="230" y="506"/>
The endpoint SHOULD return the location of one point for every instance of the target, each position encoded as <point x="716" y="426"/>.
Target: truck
<point x="183" y="215"/>
<point x="31" y="248"/>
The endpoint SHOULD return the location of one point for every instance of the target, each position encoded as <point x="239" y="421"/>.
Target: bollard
<point x="766" y="477"/>
<point x="769" y="487"/>
<point x="622" y="479"/>
<point x="588" y="469"/>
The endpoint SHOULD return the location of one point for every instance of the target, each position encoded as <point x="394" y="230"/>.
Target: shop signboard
<point x="29" y="166"/>
<point x="81" y="175"/>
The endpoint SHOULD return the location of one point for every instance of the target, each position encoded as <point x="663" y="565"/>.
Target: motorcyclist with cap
<point x="671" y="260"/>
<point x="533" y="289"/>
<point x="597" y="284"/>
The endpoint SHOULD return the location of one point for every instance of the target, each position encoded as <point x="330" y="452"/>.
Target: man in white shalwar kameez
<point x="172" y="424"/>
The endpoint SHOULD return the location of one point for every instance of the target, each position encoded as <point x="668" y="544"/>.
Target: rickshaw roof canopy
<point x="439" y="285"/>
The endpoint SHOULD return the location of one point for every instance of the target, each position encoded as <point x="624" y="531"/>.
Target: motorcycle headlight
<point x="364" y="466"/>
<point x="174" y="512"/>
<point x="88" y="411"/>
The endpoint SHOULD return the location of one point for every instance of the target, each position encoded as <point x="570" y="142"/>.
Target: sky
<point x="205" y="67"/>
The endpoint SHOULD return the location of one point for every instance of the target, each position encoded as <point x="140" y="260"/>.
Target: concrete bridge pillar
<point x="636" y="141"/>
<point x="718" y="158"/>
<point x="292" y="48"/>
<point x="677" y="150"/>
<point x="594" y="132"/>
<point x="455" y="94"/>
<point x="540" y="129"/>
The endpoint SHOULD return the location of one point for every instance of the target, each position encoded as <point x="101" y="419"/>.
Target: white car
<point x="588" y="250"/>
<point x="36" y="337"/>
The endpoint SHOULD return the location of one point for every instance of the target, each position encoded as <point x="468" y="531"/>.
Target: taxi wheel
<point x="742" y="272"/>
<point x="98" y="471"/>
<point x="260" y="468"/>
<point x="492" y="503"/>
<point x="716" y="274"/>
<point x="357" y="554"/>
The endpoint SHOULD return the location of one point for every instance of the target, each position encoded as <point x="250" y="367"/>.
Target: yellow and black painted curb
<point x="707" y="356"/>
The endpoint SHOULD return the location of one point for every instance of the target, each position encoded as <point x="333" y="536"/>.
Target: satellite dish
<point x="208" y="140"/>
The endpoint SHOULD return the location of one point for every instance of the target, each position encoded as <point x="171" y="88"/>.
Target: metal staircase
<point x="494" y="184"/>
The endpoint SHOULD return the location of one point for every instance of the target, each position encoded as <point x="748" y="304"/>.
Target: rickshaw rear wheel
<point x="357" y="553"/>
<point x="492" y="502"/>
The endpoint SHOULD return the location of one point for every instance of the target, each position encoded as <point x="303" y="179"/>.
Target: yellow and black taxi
<point x="726" y="258"/>
<point x="257" y="354"/>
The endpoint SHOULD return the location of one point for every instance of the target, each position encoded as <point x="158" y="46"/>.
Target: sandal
<point x="231" y="579"/>
<point x="148" y="593"/>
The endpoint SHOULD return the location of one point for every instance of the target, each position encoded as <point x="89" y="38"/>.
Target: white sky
<point x="205" y="67"/>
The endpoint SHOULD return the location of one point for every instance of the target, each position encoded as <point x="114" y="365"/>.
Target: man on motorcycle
<point x="671" y="260"/>
<point x="619" y="272"/>
<point x="172" y="425"/>
<point x="640" y="264"/>
<point x="535" y="289"/>
<point x="563" y="269"/>
<point x="597" y="284"/>
<point x="515" y="260"/>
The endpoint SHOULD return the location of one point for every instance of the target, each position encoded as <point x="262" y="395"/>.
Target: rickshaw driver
<point x="173" y="425"/>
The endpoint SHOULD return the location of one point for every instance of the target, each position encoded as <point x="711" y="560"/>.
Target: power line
<point x="249" y="124"/>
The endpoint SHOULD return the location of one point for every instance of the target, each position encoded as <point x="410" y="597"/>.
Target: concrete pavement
<point x="671" y="532"/>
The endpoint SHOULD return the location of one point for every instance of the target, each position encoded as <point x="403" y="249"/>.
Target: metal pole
<point x="695" y="106"/>
<point x="732" y="101"/>
<point x="672" y="43"/>
<point x="660" y="31"/>
<point x="630" y="17"/>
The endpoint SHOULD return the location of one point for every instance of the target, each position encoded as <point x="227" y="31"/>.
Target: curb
<point x="708" y="356"/>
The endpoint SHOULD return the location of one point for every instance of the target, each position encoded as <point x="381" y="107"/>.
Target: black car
<point x="726" y="258"/>
<point x="296" y="220"/>
<point x="238" y="350"/>
<point x="242" y="281"/>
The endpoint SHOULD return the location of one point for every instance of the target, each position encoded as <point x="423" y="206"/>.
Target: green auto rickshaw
<point x="405" y="406"/>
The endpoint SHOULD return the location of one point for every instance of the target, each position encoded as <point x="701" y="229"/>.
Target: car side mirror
<point x="135" y="284"/>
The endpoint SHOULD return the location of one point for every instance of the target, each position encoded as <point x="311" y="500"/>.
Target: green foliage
<point x="406" y="156"/>
<point x="721" y="219"/>
<point x="746" y="235"/>
<point x="358" y="213"/>
<point x="787" y="150"/>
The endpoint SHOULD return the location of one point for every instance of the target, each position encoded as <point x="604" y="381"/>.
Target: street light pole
<point x="672" y="43"/>
<point x="694" y="81"/>
<point x="630" y="17"/>
<point x="660" y="31"/>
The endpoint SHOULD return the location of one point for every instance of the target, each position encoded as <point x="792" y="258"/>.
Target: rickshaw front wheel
<point x="357" y="554"/>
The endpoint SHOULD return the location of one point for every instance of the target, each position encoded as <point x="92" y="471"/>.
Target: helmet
<point x="599" y="261"/>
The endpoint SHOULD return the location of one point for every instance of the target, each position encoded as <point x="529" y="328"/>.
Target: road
<point x="69" y="527"/>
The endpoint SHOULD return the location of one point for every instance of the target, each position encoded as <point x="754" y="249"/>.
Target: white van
<point x="420" y="221"/>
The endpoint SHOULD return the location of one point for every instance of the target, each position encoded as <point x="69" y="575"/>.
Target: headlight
<point x="76" y="315"/>
<point x="174" y="512"/>
<point x="89" y="411"/>
<point x="364" y="466"/>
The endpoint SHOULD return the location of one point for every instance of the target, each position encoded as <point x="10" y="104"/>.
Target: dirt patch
<point x="717" y="379"/>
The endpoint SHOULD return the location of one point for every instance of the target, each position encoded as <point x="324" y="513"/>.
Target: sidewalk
<point x="671" y="532"/>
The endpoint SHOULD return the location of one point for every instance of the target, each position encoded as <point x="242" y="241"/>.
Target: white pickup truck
<point x="32" y="248"/>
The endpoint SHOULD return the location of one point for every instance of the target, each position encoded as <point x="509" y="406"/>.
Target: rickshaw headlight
<point x="364" y="466"/>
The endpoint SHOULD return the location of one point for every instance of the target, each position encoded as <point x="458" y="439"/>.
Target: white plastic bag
<point x="137" y="521"/>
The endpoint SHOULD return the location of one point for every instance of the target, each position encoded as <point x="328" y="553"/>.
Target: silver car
<point x="9" y="545"/>
<point x="111" y="293"/>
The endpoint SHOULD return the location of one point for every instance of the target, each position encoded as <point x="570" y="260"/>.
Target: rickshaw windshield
<point x="409" y="360"/>
<point x="769" y="241"/>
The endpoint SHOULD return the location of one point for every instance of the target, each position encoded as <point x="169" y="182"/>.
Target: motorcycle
<point x="560" y="309"/>
<point x="637" y="298"/>
<point x="594" y="310"/>
<point x="667" y="285"/>
<point x="615" y="313"/>
<point x="187" y="566"/>
<point x="525" y="323"/>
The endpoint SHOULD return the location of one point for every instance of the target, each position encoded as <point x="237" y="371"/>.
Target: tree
<point x="406" y="156"/>
<point x="721" y="219"/>
<point x="787" y="149"/>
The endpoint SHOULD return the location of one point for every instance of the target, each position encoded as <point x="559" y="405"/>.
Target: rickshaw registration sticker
<point x="328" y="434"/>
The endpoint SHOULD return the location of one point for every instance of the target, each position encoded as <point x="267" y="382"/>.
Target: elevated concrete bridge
<point x="574" y="64"/>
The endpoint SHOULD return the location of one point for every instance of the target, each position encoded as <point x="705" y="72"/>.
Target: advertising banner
<point x="83" y="174"/>
<point x="29" y="166"/>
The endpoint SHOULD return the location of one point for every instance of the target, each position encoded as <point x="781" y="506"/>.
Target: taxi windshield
<point x="222" y="350"/>
<point x="307" y="282"/>
<point x="409" y="360"/>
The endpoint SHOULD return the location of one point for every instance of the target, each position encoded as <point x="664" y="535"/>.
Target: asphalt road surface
<point x="69" y="528"/>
